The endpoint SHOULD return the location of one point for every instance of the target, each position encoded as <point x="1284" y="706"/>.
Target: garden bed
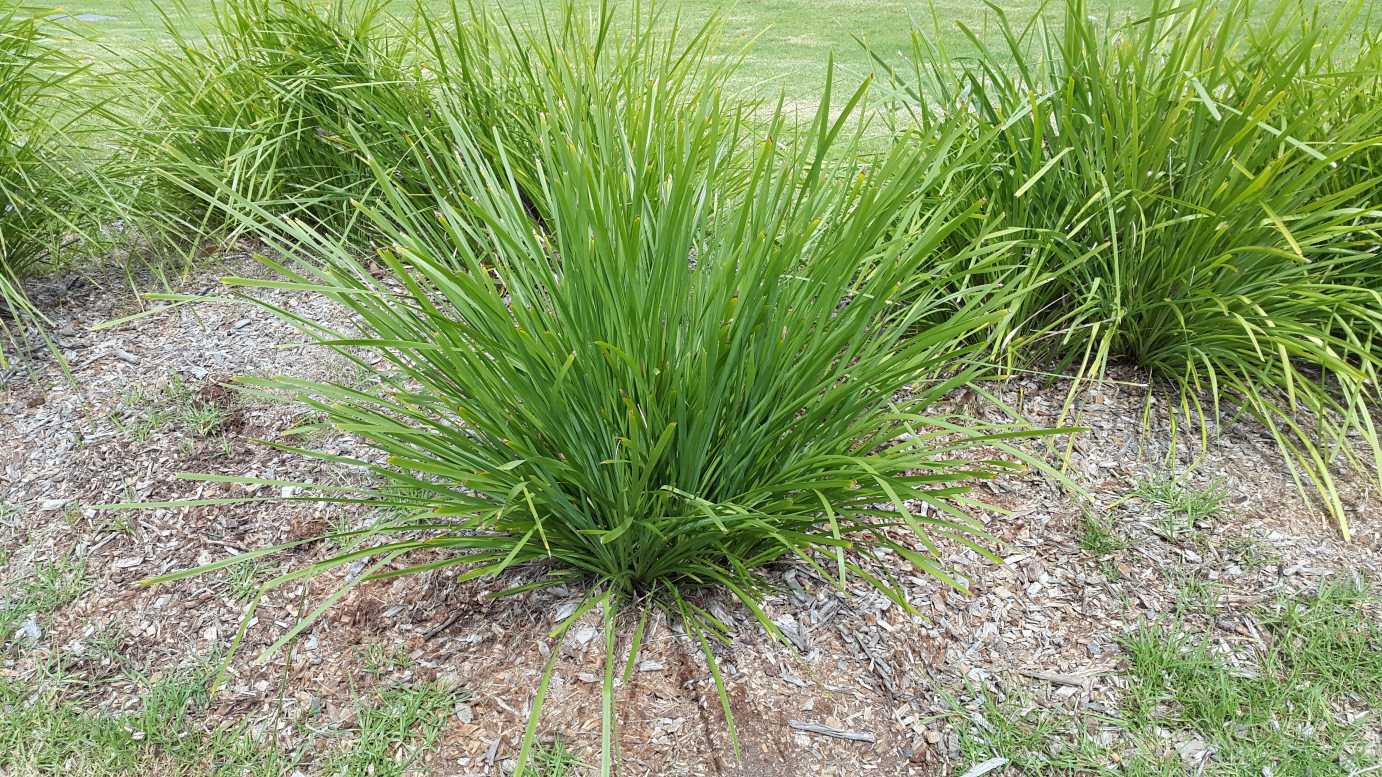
<point x="426" y="676"/>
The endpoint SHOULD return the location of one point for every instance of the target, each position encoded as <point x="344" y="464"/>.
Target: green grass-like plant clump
<point x="1330" y="84"/>
<point x="1179" y="214"/>
<point x="1184" y="506"/>
<point x="689" y="366"/>
<point x="1098" y="536"/>
<point x="280" y="102"/>
<point x="37" y="179"/>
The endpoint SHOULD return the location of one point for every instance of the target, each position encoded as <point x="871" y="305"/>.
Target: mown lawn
<point x="790" y="41"/>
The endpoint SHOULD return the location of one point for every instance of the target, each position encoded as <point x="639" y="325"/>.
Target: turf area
<point x="789" y="41"/>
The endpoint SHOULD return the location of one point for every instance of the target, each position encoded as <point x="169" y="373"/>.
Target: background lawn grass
<point x="791" y="40"/>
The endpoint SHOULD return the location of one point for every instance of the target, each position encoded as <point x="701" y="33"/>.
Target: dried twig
<point x="827" y="731"/>
<point x="1074" y="681"/>
<point x="443" y="626"/>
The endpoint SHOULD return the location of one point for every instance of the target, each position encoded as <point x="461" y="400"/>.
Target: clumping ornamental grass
<point x="278" y="103"/>
<point x="38" y="189"/>
<point x="713" y="351"/>
<point x="1181" y="214"/>
<point x="1335" y="76"/>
